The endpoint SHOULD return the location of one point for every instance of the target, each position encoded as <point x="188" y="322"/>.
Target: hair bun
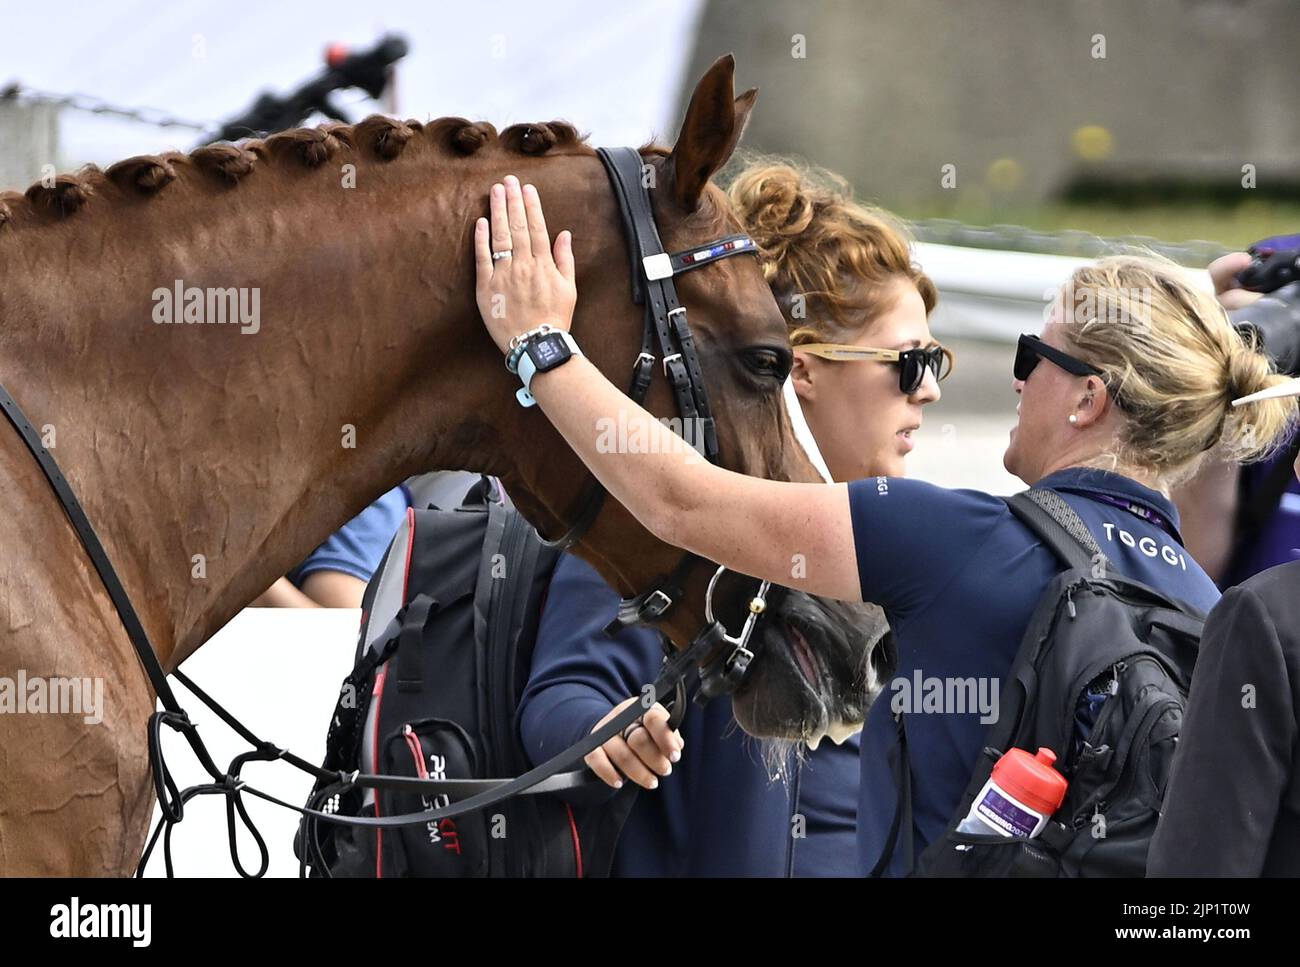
<point x="775" y="203"/>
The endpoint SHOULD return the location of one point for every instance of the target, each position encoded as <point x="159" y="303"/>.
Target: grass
<point x="1232" y="228"/>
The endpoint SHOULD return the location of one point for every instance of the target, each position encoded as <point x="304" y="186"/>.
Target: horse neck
<point x="211" y="457"/>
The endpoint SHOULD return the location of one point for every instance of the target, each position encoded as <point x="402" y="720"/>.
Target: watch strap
<point x="527" y="369"/>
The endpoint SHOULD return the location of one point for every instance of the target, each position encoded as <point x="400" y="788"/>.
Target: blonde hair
<point x="831" y="261"/>
<point x="1173" y="362"/>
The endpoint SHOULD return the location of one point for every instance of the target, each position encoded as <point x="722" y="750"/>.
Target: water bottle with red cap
<point x="1021" y="795"/>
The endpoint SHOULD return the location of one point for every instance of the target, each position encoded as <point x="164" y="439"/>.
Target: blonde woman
<point x="1110" y="415"/>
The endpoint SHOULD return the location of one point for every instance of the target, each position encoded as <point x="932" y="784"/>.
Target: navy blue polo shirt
<point x="720" y="812"/>
<point x="959" y="578"/>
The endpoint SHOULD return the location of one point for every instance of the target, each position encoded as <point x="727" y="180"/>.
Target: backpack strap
<point x="902" y="808"/>
<point x="410" y="674"/>
<point x="1055" y="523"/>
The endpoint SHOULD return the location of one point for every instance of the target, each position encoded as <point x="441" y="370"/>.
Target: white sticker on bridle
<point x="801" y="431"/>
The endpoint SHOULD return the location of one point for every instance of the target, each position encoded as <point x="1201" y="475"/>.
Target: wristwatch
<point x="540" y="352"/>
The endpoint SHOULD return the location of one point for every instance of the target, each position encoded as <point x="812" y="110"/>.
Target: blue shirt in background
<point x="720" y="812"/>
<point x="959" y="578"/>
<point x="358" y="546"/>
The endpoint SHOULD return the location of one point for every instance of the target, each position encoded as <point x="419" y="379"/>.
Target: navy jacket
<point x="720" y="812"/>
<point x="959" y="577"/>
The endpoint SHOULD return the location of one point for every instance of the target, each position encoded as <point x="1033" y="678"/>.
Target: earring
<point x="1073" y="418"/>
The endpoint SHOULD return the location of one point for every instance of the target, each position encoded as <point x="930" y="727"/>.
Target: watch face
<point x="548" y="351"/>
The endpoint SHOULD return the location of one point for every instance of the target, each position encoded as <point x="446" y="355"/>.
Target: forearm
<point x="555" y="717"/>
<point x="282" y="594"/>
<point x="806" y="534"/>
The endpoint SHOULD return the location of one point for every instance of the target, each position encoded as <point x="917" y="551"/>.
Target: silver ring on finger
<point x="498" y="256"/>
<point x="627" y="732"/>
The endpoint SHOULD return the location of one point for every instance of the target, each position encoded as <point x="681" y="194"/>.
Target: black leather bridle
<point x="720" y="669"/>
<point x="653" y="270"/>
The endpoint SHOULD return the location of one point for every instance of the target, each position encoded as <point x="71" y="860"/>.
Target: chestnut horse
<point x="211" y="457"/>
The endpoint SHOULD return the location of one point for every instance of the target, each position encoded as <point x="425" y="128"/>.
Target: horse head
<point x="813" y="674"/>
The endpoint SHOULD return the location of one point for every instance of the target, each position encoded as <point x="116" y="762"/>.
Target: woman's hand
<point x="1223" y="273"/>
<point x="530" y="287"/>
<point x="646" y="750"/>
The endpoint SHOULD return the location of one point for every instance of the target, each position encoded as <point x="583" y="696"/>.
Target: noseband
<point x="653" y="270"/>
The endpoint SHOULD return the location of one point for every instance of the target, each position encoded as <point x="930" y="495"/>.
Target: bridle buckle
<point x="656" y="603"/>
<point x="658" y="266"/>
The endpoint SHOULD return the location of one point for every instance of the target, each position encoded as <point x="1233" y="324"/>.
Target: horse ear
<point x="710" y="132"/>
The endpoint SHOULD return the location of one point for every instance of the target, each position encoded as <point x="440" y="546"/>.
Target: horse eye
<point x="771" y="363"/>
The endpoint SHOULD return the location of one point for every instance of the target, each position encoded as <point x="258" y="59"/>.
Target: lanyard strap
<point x="1141" y="511"/>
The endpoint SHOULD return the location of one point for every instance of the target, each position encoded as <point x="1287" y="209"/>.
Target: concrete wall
<point x="888" y="92"/>
<point x="29" y="138"/>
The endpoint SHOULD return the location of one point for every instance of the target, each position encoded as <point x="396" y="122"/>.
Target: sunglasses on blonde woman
<point x="1030" y="349"/>
<point x="912" y="363"/>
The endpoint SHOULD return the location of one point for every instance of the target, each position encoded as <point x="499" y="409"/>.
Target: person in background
<point x="843" y="275"/>
<point x="1242" y="519"/>
<point x="718" y="813"/>
<point x="336" y="573"/>
<point x="1233" y="803"/>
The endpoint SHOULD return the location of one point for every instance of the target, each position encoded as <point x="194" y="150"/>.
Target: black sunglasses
<point x="912" y="363"/>
<point x="1030" y="349"/>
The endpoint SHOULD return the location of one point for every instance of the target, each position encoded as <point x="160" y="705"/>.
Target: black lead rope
<point x="94" y="550"/>
<point x="228" y="782"/>
<point x="471" y="794"/>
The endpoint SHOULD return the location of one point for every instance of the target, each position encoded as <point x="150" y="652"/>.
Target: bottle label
<point x="1006" y="815"/>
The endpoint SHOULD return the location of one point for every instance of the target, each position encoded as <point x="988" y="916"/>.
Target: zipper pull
<point x="1069" y="602"/>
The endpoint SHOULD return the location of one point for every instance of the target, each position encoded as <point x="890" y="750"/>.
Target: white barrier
<point x="278" y="671"/>
<point x="997" y="295"/>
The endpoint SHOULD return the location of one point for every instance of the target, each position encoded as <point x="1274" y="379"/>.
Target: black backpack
<point x="1103" y="655"/>
<point x="448" y="626"/>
